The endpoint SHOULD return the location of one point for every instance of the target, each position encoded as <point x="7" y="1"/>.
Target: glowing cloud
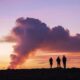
<point x="32" y="34"/>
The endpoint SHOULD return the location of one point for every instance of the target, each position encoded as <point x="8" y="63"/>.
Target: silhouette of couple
<point x="58" y="60"/>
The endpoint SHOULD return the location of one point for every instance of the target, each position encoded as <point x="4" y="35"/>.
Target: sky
<point x="51" y="12"/>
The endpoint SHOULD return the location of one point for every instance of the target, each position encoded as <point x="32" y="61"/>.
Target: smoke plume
<point x="32" y="34"/>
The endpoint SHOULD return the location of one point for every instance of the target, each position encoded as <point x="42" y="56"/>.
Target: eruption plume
<point x="32" y="34"/>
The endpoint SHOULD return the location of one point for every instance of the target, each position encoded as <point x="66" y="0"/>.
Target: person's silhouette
<point x="51" y="62"/>
<point x="58" y="60"/>
<point x="64" y="59"/>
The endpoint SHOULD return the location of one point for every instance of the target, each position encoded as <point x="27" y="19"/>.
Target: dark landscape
<point x="41" y="74"/>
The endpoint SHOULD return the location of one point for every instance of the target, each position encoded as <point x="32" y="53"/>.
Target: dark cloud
<point x="32" y="34"/>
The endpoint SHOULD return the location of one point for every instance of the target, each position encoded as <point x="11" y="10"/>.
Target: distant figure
<point x="64" y="59"/>
<point x="58" y="60"/>
<point x="51" y="62"/>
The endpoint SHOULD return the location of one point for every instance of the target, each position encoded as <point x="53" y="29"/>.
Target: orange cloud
<point x="8" y="38"/>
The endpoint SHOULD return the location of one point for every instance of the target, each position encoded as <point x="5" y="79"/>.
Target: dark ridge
<point x="40" y="74"/>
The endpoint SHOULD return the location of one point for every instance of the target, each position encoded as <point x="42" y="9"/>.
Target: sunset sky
<point x="52" y="12"/>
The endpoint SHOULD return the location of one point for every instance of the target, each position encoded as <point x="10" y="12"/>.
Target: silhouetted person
<point x="64" y="59"/>
<point x="51" y="62"/>
<point x="58" y="60"/>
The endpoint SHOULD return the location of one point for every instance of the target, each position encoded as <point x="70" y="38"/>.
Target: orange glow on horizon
<point x="39" y="60"/>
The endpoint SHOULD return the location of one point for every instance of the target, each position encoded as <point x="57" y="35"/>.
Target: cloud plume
<point x="32" y="34"/>
<point x="8" y="38"/>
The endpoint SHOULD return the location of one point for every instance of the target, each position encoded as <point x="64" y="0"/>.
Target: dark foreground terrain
<point x="40" y="74"/>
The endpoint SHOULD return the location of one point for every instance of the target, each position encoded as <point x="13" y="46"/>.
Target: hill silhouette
<point x="40" y="74"/>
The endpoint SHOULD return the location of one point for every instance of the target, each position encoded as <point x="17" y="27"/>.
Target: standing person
<point x="64" y="59"/>
<point x="51" y="62"/>
<point x="58" y="60"/>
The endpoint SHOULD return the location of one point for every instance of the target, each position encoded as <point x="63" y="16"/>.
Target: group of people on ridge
<point x="58" y="60"/>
